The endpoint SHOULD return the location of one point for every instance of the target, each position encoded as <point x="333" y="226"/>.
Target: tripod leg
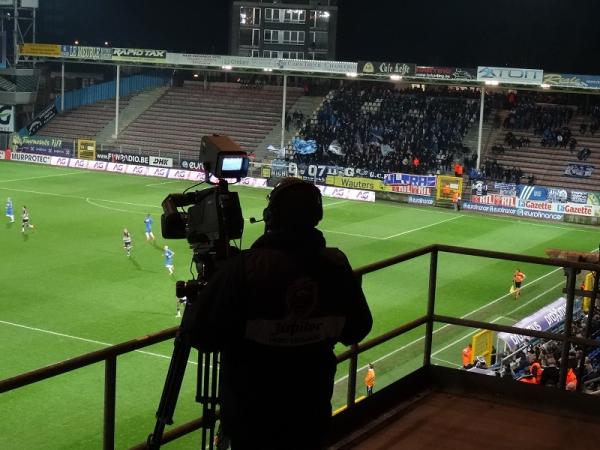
<point x="207" y="393"/>
<point x="168" y="399"/>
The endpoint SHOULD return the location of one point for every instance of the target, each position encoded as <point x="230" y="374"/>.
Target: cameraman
<point x="275" y="312"/>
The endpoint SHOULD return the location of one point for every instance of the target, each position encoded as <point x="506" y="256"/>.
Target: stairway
<point x="137" y="105"/>
<point x="6" y="85"/>
<point x="307" y="105"/>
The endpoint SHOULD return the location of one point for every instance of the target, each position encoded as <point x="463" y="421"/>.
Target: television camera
<point x="214" y="217"/>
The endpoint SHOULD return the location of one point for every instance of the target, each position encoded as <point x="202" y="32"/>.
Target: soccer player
<point x="25" y="224"/>
<point x="148" y="223"/>
<point x="127" y="241"/>
<point x="180" y="301"/>
<point x="10" y="212"/>
<point x="168" y="254"/>
<point x="518" y="278"/>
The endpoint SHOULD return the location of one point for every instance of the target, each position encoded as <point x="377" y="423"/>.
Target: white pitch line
<point x="75" y="197"/>
<point x="163" y="182"/>
<point x="365" y="236"/>
<point x="89" y="201"/>
<point x="415" y="341"/>
<point x="44" y="176"/>
<point x="340" y="202"/>
<point x="450" y="363"/>
<point x="91" y="341"/>
<point x="424" y="227"/>
<point x="379" y="238"/>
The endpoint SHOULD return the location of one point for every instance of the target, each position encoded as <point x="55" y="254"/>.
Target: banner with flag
<point x="335" y="148"/>
<point x="304" y="147"/>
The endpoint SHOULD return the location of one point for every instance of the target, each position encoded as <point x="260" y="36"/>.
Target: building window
<point x="319" y="19"/>
<point x="319" y="40"/>
<point x="271" y="54"/>
<point x="294" y="15"/>
<point x="255" y="53"/>
<point x="285" y="15"/>
<point x="255" y="37"/>
<point x="249" y="16"/>
<point x="250" y="37"/>
<point x="319" y="56"/>
<point x="284" y="37"/>
<point x="271" y="15"/>
<point x="273" y="36"/>
<point x="293" y="37"/>
<point x="293" y="55"/>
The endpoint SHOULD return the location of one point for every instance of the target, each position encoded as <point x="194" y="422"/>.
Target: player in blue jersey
<point x="148" y="223"/>
<point x="10" y="212"/>
<point x="127" y="241"/>
<point x="25" y="224"/>
<point x="168" y="254"/>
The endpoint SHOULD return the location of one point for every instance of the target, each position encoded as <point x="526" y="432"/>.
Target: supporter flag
<point x="335" y="148"/>
<point x="280" y="152"/>
<point x="386" y="150"/>
<point x="376" y="137"/>
<point x="304" y="147"/>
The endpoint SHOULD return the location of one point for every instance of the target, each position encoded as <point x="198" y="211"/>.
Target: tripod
<point x="206" y="393"/>
<point x="207" y="380"/>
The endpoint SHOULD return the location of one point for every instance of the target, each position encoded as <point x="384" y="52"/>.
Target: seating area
<point x="84" y="122"/>
<point x="382" y="128"/>
<point x="546" y="153"/>
<point x="179" y="119"/>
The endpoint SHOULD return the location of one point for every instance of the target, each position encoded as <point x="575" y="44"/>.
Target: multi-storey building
<point x="297" y="29"/>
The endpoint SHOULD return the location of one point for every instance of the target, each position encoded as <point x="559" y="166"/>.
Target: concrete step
<point x="137" y="105"/>
<point x="307" y="105"/>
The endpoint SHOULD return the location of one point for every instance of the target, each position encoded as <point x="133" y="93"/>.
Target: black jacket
<point x="275" y="312"/>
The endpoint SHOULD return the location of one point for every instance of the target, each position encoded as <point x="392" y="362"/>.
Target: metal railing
<point x="109" y="355"/>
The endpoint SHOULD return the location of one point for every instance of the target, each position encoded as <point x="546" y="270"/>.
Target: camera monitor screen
<point x="232" y="166"/>
<point x="232" y="163"/>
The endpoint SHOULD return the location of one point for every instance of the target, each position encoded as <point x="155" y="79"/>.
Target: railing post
<point x="430" y="307"/>
<point x="564" y="358"/>
<point x="352" y="369"/>
<point x="110" y="391"/>
<point x="588" y="328"/>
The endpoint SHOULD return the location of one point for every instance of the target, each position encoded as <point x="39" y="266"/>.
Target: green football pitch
<point x="68" y="288"/>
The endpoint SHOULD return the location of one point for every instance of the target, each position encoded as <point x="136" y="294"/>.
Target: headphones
<point x="302" y="195"/>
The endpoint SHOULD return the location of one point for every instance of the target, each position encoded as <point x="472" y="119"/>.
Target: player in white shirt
<point x="180" y="301"/>
<point x="25" y="224"/>
<point x="127" y="241"/>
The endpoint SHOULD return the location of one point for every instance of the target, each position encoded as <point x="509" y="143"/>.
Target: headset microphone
<point x="253" y="220"/>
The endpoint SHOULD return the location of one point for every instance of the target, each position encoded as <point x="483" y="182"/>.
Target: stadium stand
<point x="84" y="122"/>
<point x="179" y="119"/>
<point x="541" y="140"/>
<point x="382" y="128"/>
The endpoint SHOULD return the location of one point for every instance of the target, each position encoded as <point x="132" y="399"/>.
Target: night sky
<point x="554" y="35"/>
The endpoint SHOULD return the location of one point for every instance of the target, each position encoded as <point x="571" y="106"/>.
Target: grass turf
<point x="68" y="288"/>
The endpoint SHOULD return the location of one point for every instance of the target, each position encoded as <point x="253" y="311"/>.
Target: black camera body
<point x="215" y="214"/>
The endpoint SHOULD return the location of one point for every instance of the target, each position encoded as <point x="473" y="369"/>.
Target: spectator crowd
<point x="388" y="130"/>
